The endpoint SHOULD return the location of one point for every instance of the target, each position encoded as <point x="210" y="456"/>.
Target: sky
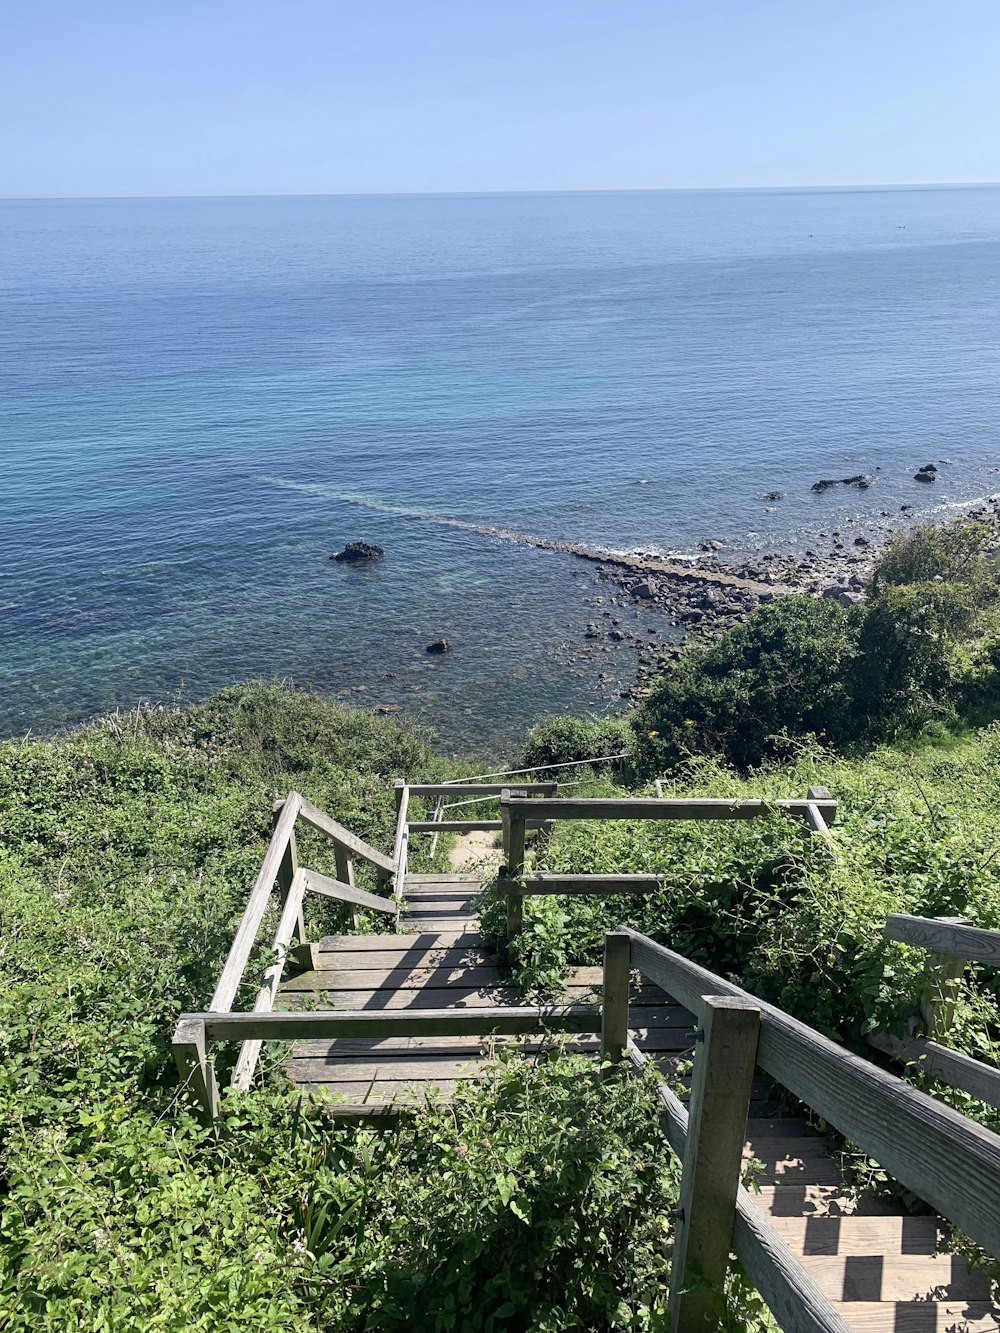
<point x="193" y="97"/>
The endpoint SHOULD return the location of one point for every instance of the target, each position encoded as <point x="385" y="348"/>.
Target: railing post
<point x="345" y="873"/>
<point x="614" y="1010"/>
<point x="197" y="1073"/>
<point x="942" y="974"/>
<point x="713" y="1157"/>
<point x="401" y="844"/>
<point x="303" y="954"/>
<point x="513" y="855"/>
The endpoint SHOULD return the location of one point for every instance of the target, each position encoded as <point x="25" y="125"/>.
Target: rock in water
<point x="439" y="646"/>
<point x="862" y="482"/>
<point x="924" y="476"/>
<point x="356" y="552"/>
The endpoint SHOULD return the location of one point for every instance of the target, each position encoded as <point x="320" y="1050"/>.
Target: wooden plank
<point x="713" y="1151"/>
<point x="820" y="1202"/>
<point x="459" y="788"/>
<point x="428" y="1070"/>
<point x="365" y="1092"/>
<point x="260" y="895"/>
<point x="897" y="1277"/>
<point x="945" y="936"/>
<point x="374" y="960"/>
<point x="345" y="874"/>
<point x="427" y="997"/>
<point x="439" y="877"/>
<point x="455" y="826"/>
<point x="452" y="939"/>
<point x="287" y="871"/>
<point x="319" y="819"/>
<point x="951" y="1162"/>
<point x="598" y="885"/>
<point x="401" y="978"/>
<point x="854" y="1234"/>
<point x="279" y="1026"/>
<point x="920" y="1316"/>
<point x="288" y="924"/>
<point x="961" y="1071"/>
<point x="614" y="1019"/>
<point x="651" y="807"/>
<point x="789" y="1292"/>
<point x="584" y="1043"/>
<point x="513" y="853"/>
<point x="401" y="844"/>
<point x="195" y="1070"/>
<point x="346" y="893"/>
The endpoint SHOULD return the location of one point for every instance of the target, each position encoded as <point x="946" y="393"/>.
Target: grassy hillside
<point x="126" y="854"/>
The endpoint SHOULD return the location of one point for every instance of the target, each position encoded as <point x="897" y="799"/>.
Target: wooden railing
<point x="950" y="942"/>
<point x="948" y="1160"/>
<point x="520" y="810"/>
<point x="280" y="868"/>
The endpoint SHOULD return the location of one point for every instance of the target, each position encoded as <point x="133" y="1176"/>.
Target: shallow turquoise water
<point x="203" y="398"/>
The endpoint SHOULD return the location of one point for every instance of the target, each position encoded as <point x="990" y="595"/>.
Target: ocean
<point x="203" y="399"/>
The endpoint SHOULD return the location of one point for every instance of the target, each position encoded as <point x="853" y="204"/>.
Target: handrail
<point x="260" y="895"/>
<point x="539" y="768"/>
<point x="653" y="807"/>
<point x="401" y="844"/>
<point x="943" y="935"/>
<point x="319" y="819"/>
<point x="948" y="1160"/>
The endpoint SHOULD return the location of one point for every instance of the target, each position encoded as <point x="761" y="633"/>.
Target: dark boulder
<point x="439" y="646"/>
<point x="862" y="482"/>
<point x="924" y="476"/>
<point x="358" y="552"/>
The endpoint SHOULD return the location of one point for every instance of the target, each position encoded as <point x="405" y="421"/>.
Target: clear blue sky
<point x="103" y="97"/>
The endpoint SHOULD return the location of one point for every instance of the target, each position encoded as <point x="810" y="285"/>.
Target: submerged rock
<point x="439" y="646"/>
<point x="924" y="476"/>
<point x="862" y="482"/>
<point x="356" y="552"/>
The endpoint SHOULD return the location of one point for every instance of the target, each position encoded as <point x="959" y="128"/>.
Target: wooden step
<point x="896" y="1278"/>
<point x="802" y="1200"/>
<point x="848" y="1234"/>
<point x="920" y="1316"/>
<point x="402" y="943"/>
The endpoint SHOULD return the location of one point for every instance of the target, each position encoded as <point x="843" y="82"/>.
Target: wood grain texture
<point x="277" y="1026"/>
<point x="945" y="936"/>
<point x="260" y="895"/>
<point x="194" y="1068"/>
<point x="600" y="886"/>
<point x="649" y="807"/>
<point x="961" y="1071"/>
<point x="946" y="1159"/>
<point x="457" y="789"/>
<point x="347" y="893"/>
<point x="319" y="819"/>
<point x="614" y="1014"/>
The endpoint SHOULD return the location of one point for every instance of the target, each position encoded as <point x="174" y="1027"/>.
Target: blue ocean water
<point x="203" y="398"/>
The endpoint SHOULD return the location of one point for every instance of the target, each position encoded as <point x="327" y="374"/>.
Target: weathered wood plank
<point x="288" y="925"/>
<point x="650" y="807"/>
<point x="969" y="942"/>
<point x="346" y="893"/>
<point x="617" y="972"/>
<point x="345" y="873"/>
<point x="260" y="895"/>
<point x="319" y="819"/>
<point x="439" y="877"/>
<point x="713" y="1152"/>
<point x="600" y="886"/>
<point x="919" y="1316"/>
<point x="658" y="1041"/>
<point x="961" y="1071"/>
<point x="455" y="826"/>
<point x="432" y="939"/>
<point x="401" y="844"/>
<point x="280" y="1026"/>
<point x="374" y="960"/>
<point x="458" y="789"/>
<point x="894" y="1277"/>
<point x="946" y="1159"/>
<point x="854" y="1234"/>
<point x="194" y="1068"/>
<point x="401" y="978"/>
<point x="413" y="1070"/>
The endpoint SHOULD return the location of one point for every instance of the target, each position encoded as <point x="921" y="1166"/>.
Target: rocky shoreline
<point x="673" y="601"/>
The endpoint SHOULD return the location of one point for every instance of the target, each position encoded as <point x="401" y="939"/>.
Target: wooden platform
<point x="885" y="1272"/>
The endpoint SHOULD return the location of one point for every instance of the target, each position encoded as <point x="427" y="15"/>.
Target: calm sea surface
<point x="202" y="399"/>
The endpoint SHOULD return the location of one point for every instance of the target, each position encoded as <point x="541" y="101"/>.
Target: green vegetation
<point x="538" y="1200"/>
<point x="127" y="853"/>
<point x="923" y="648"/>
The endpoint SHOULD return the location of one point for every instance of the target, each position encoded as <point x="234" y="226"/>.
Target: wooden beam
<point x="650" y="807"/>
<point x="792" y="1296"/>
<point x="599" y="885"/>
<point x="246" y="933"/>
<point x="455" y="825"/>
<point x="615" y="993"/>
<point x="400" y="849"/>
<point x="445" y="789"/>
<point x="318" y="819"/>
<point x="713" y="1161"/>
<point x="288" y="927"/>
<point x="346" y="893"/>
<point x="303" y="1025"/>
<point x="960" y="1070"/>
<point x="196" y="1071"/>
<point x="513" y="852"/>
<point x="345" y="874"/>
<point x="945" y="935"/>
<point x="951" y="1162"/>
<point x="286" y="877"/>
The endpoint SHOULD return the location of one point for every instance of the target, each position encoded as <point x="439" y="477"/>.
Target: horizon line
<point x="803" y="187"/>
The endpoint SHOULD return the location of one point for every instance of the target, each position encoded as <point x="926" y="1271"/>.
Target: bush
<point x="565" y="740"/>
<point x="954" y="553"/>
<point x="787" y="672"/>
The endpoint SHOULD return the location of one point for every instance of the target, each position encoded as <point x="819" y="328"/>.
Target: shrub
<point x="787" y="672"/>
<point x="955" y="553"/>
<point x="564" y="740"/>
